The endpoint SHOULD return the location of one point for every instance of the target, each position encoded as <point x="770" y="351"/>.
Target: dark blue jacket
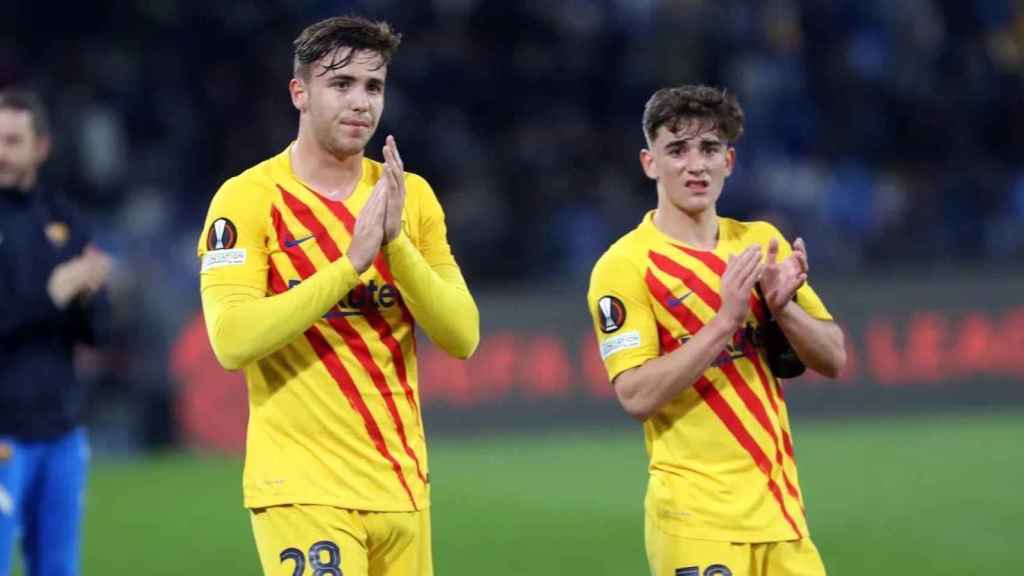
<point x="40" y="398"/>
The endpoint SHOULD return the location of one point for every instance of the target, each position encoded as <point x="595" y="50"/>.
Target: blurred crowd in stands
<point x="889" y="134"/>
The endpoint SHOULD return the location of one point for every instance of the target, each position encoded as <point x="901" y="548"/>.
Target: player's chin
<point x="692" y="204"/>
<point x="347" y="146"/>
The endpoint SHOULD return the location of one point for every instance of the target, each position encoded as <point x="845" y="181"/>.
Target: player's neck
<point x="698" y="230"/>
<point x="330" y="176"/>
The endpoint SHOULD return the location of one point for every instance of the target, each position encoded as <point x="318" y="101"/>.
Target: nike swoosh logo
<point x="673" y="302"/>
<point x="295" y="242"/>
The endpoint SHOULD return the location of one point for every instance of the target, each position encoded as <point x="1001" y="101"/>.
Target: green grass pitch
<point x="933" y="495"/>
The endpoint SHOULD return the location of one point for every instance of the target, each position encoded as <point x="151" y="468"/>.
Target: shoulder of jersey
<point x="414" y="183"/>
<point x="629" y="247"/>
<point x="757" y="229"/>
<point x="251" y="184"/>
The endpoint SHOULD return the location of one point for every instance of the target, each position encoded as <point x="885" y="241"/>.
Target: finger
<point x="752" y="278"/>
<point x="747" y="267"/>
<point x="799" y="246"/>
<point x="773" y="251"/>
<point x="801" y="258"/>
<point x="391" y="166"/>
<point x="394" y="152"/>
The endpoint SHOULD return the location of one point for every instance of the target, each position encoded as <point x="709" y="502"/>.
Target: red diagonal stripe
<point x="352" y="338"/>
<point x="662" y="294"/>
<point x="341" y="376"/>
<point x="787" y="441"/>
<point x="750" y="400"/>
<point x="376" y="320"/>
<point x="673" y="268"/>
<point x="718" y="266"/>
<point x="735" y="426"/>
<point x="756" y="407"/>
<point x="362" y="352"/>
<point x="342" y="213"/>
<point x="305" y="268"/>
<point x="668" y="343"/>
<point x="766" y="383"/>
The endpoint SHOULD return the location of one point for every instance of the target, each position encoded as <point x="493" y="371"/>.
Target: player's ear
<point x="300" y="96"/>
<point x="730" y="160"/>
<point x="648" y="163"/>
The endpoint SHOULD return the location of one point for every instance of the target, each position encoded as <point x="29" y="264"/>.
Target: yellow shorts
<point x="670" y="555"/>
<point x="310" y="540"/>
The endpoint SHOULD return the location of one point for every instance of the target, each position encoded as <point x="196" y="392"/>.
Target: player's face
<point x="21" y="149"/>
<point x="690" y="165"/>
<point x="345" y="104"/>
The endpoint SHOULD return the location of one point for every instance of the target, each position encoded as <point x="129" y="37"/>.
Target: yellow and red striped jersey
<point x="721" y="453"/>
<point x="334" y="414"/>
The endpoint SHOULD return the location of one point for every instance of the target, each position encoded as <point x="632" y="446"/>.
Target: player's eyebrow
<point x="341" y="77"/>
<point x="703" y="140"/>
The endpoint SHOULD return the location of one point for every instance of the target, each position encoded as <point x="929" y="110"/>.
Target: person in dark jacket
<point x="51" y="283"/>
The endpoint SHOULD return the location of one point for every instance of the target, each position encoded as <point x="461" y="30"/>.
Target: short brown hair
<point x="711" y="107"/>
<point x="27" y="101"/>
<point x="326" y="36"/>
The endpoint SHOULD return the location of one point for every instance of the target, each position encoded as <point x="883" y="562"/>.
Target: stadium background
<point x="888" y="134"/>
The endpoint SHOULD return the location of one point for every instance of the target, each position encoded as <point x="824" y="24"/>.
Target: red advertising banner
<point x="911" y="346"/>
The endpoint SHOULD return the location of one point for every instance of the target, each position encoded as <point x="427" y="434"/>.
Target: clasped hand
<point x="380" y="220"/>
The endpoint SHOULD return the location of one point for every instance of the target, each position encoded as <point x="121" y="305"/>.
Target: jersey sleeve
<point x="233" y="246"/>
<point x="242" y="321"/>
<point x="624" y="323"/>
<point x="430" y="280"/>
<point x="806" y="297"/>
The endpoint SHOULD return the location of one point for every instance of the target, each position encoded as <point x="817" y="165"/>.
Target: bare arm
<point x="818" y="343"/>
<point x="646" y="388"/>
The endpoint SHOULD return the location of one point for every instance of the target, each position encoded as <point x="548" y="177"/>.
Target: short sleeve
<point x="233" y="245"/>
<point x="624" y="323"/>
<point x="806" y="297"/>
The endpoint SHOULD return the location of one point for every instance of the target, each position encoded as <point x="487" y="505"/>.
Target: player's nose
<point x="359" y="100"/>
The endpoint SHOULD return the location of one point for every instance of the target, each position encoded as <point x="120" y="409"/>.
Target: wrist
<point x="723" y="327"/>
<point x="359" y="262"/>
<point x="785" y="311"/>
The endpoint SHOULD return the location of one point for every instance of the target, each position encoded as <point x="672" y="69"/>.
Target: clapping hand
<point x="782" y="279"/>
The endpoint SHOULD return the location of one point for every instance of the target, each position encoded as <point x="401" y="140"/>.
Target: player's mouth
<point x="699" y="186"/>
<point x="355" y="123"/>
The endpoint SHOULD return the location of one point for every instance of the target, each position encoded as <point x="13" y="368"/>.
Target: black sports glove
<point x="782" y="359"/>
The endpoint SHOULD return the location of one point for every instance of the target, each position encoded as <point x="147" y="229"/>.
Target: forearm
<point x="438" y="298"/>
<point x="643" y="390"/>
<point x="819" y="343"/>
<point x="244" y="325"/>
